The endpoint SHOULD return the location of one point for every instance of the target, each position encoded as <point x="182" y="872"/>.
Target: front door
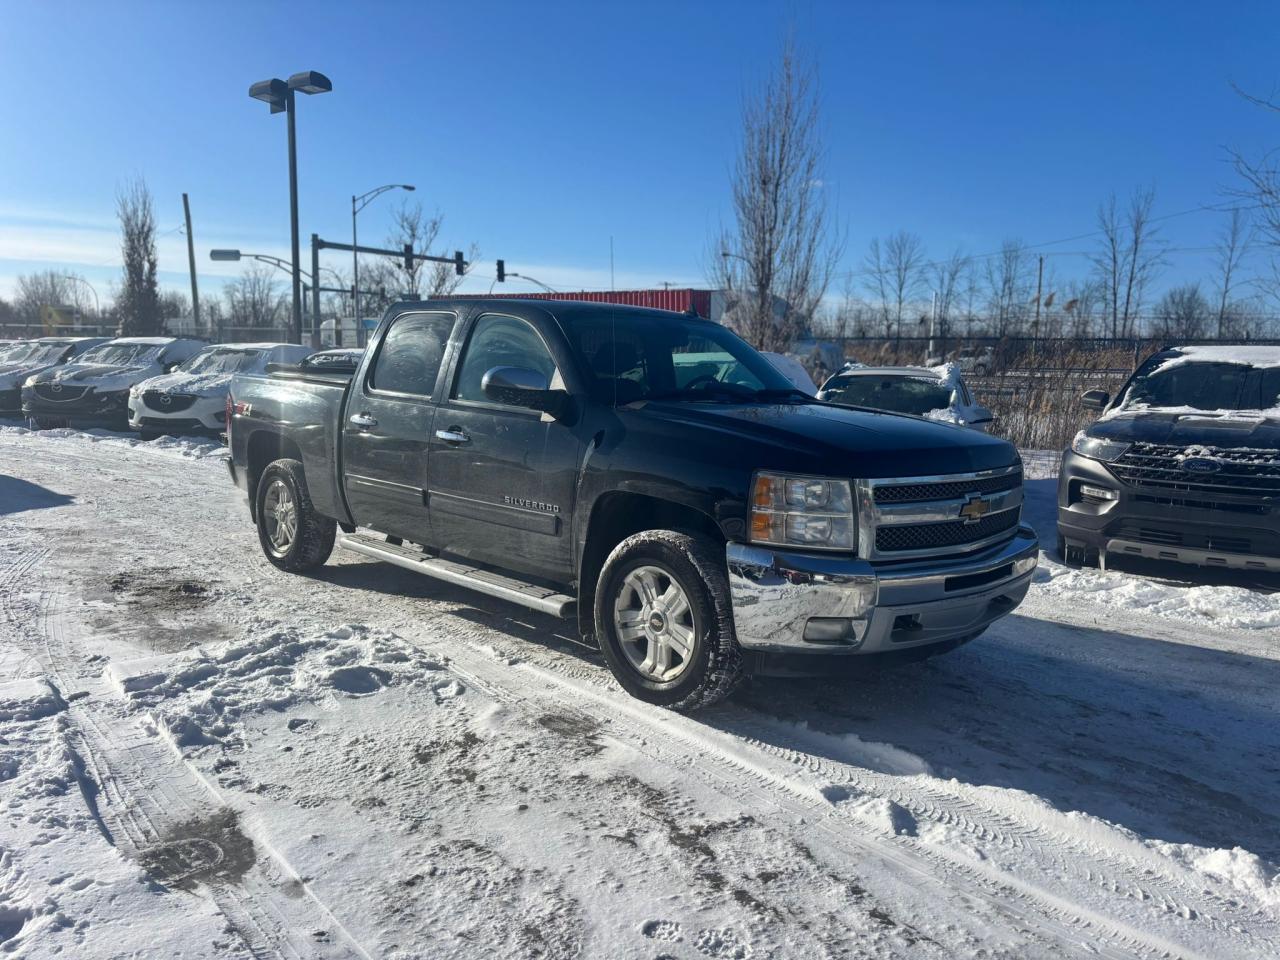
<point x="386" y="439"/>
<point x="503" y="477"/>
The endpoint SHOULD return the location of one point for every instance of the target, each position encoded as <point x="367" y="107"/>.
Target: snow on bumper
<point x="789" y="601"/>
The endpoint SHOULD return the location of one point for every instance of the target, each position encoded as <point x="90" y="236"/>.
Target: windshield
<point x="222" y="360"/>
<point x="895" y="393"/>
<point x="632" y="357"/>
<point x="1203" y="386"/>
<point x="120" y="354"/>
<point x="34" y="353"/>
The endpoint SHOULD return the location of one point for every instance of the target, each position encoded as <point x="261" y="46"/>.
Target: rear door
<point x="387" y="433"/>
<point x="503" y="478"/>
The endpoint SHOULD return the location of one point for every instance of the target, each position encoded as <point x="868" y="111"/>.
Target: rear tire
<point x="665" y="621"/>
<point x="294" y="537"/>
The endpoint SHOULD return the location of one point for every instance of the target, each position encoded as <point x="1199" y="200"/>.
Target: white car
<point x="936" y="393"/>
<point x="93" y="391"/>
<point x="192" y="399"/>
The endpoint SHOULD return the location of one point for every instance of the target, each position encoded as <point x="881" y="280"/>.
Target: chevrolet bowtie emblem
<point x="975" y="508"/>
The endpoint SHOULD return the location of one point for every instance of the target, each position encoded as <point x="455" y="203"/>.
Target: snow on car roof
<point x="1243" y="353"/>
<point x="147" y="341"/>
<point x="932" y="372"/>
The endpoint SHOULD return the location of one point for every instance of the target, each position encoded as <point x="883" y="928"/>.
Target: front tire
<point x="665" y="622"/>
<point x="294" y="537"/>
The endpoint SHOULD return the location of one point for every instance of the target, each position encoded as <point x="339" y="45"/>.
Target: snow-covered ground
<point x="201" y="756"/>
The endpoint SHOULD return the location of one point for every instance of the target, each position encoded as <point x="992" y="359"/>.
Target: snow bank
<point x="190" y="448"/>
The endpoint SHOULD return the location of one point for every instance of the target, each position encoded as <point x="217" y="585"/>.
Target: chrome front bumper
<point x="871" y="608"/>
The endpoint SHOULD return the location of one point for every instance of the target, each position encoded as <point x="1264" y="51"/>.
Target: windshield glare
<point x="897" y="394"/>
<point x="120" y="354"/>
<point x="222" y="361"/>
<point x="1204" y="386"/>
<point x="632" y="357"/>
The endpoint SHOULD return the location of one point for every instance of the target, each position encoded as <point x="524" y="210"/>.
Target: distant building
<point x="708" y="304"/>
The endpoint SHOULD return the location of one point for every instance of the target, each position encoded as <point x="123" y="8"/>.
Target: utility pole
<point x="1039" y="287"/>
<point x="191" y="261"/>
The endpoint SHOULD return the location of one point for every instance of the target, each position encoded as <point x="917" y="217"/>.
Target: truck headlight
<point x="812" y="512"/>
<point x="1098" y="448"/>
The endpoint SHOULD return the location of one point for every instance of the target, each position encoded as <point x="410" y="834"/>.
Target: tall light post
<point x="358" y="204"/>
<point x="97" y="306"/>
<point x="279" y="95"/>
<point x="525" y="276"/>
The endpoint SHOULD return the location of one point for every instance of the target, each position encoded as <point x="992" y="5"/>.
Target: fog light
<point x="1024" y="565"/>
<point x="1098" y="493"/>
<point x="829" y="630"/>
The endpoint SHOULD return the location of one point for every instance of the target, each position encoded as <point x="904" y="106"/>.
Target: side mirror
<point x="1094" y="399"/>
<point x="982" y="415"/>
<point x="172" y="366"/>
<point x="521" y="387"/>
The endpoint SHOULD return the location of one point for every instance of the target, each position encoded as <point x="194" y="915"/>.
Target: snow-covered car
<point x="30" y="357"/>
<point x="337" y="360"/>
<point x="94" y="390"/>
<point x="193" y="398"/>
<point x="789" y="366"/>
<point x="936" y="393"/>
<point x="977" y="362"/>
<point x="1183" y="465"/>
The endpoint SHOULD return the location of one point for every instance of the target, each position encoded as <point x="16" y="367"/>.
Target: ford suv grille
<point x="1251" y="473"/>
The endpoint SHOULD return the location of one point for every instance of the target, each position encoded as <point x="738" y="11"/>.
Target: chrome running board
<point x="461" y="574"/>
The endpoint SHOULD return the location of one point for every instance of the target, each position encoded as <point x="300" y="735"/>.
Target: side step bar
<point x="473" y="578"/>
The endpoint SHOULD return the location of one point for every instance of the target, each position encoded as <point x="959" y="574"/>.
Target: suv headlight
<point x="1098" y="448"/>
<point x="812" y="512"/>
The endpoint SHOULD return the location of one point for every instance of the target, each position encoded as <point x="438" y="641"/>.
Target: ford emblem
<point x="1201" y="465"/>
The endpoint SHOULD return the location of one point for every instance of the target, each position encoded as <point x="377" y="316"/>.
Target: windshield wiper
<point x="707" y="390"/>
<point x="783" y="393"/>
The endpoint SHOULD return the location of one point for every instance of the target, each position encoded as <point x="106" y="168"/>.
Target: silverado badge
<point x="975" y="508"/>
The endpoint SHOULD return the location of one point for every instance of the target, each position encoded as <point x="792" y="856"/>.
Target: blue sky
<point x="542" y="130"/>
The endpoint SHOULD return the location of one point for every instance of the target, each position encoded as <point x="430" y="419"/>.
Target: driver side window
<point x="498" y="341"/>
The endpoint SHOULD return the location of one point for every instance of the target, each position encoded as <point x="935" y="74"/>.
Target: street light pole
<point x="280" y="96"/>
<point x="358" y="204"/>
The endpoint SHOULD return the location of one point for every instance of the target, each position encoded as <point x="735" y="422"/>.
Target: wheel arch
<point x="263" y="448"/>
<point x="616" y="515"/>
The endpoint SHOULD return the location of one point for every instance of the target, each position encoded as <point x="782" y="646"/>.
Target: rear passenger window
<point x="410" y="355"/>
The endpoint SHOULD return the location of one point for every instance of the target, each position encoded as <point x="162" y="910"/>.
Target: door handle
<point x="363" y="421"/>
<point x="452" y="435"/>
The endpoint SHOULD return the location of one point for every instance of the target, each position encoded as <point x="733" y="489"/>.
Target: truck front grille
<point x="948" y="490"/>
<point x="950" y="533"/>
<point x="910" y="517"/>
<point x="1244" y="472"/>
<point x="167" y="402"/>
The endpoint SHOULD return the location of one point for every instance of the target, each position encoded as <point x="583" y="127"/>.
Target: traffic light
<point x="408" y="258"/>
<point x="502" y="270"/>
<point x="459" y="264"/>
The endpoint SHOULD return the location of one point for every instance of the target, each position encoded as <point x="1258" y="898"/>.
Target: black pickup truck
<point x="646" y="472"/>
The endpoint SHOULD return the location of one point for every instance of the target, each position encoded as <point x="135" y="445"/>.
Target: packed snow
<point x="201" y="756"/>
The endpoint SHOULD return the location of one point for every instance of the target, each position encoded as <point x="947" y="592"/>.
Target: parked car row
<point x="153" y="385"/>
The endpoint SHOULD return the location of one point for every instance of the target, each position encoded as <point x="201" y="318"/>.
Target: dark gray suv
<point x="1183" y="465"/>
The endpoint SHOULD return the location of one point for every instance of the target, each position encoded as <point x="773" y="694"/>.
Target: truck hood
<point x="100" y="376"/>
<point x="197" y="384"/>
<point x="848" y="441"/>
<point x="1245" y="428"/>
<point x="13" y="374"/>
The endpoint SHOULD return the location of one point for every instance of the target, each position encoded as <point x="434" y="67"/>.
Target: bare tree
<point x="948" y="279"/>
<point x="1232" y="247"/>
<point x="413" y="227"/>
<point x="254" y="300"/>
<point x="138" y="303"/>
<point x="1008" y="287"/>
<point x="1128" y="257"/>
<point x="1182" y="313"/>
<point x="37" y="291"/>
<point x="776" y="264"/>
